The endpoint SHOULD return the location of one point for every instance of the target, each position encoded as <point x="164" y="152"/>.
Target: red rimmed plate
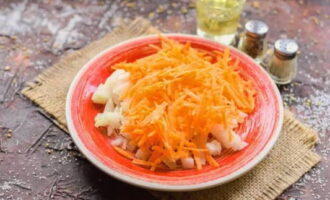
<point x="261" y="129"/>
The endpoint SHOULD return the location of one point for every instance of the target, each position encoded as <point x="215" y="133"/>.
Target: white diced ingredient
<point x="228" y="139"/>
<point x="113" y="78"/>
<point x="123" y="76"/>
<point x="113" y="87"/>
<point x="124" y="104"/>
<point x="108" y="119"/>
<point x="188" y="163"/>
<point x="214" y="148"/>
<point x="116" y="84"/>
<point x="117" y="141"/>
<point x="117" y="109"/>
<point x="120" y="88"/>
<point x="237" y="143"/>
<point x="142" y="154"/>
<point x="109" y="106"/>
<point x="101" y="95"/>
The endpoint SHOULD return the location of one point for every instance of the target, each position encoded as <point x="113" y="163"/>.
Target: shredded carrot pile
<point x="177" y="95"/>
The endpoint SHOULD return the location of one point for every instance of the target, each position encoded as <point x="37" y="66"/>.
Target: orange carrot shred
<point x="211" y="161"/>
<point x="141" y="162"/>
<point x="123" y="152"/>
<point x="176" y="96"/>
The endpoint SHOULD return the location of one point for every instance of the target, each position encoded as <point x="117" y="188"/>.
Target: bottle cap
<point x="286" y="48"/>
<point x="256" y="28"/>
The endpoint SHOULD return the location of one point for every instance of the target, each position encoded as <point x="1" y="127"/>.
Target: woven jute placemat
<point x="291" y="157"/>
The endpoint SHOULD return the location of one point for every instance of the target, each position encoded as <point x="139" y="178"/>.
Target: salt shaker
<point x="254" y="40"/>
<point x="283" y="65"/>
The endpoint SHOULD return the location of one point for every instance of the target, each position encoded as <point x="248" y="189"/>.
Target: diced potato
<point x="108" y="119"/>
<point x="113" y="78"/>
<point x="101" y="95"/>
<point x="113" y="87"/>
<point x="188" y="163"/>
<point x="125" y="105"/>
<point x="118" y="141"/>
<point x="117" y="78"/>
<point x="237" y="143"/>
<point x="109" y="106"/>
<point x="123" y="76"/>
<point x="228" y="139"/>
<point x="214" y="148"/>
<point x="120" y="88"/>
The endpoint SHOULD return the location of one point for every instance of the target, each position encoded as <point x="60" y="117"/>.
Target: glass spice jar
<point x="283" y="65"/>
<point x="254" y="40"/>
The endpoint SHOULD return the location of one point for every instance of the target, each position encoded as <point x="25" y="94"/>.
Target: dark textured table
<point x="39" y="161"/>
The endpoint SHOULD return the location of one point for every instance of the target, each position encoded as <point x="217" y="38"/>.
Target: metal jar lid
<point x="256" y="28"/>
<point x="285" y="48"/>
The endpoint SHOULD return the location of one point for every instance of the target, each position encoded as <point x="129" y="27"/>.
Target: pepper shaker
<point x="254" y="39"/>
<point x="283" y="65"/>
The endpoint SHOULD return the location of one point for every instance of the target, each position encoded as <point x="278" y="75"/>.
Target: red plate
<point x="261" y="128"/>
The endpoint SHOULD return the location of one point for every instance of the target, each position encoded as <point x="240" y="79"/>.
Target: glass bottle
<point x="218" y="19"/>
<point x="283" y="65"/>
<point x="254" y="40"/>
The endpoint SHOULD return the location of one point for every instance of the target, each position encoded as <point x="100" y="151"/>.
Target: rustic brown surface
<point x="39" y="161"/>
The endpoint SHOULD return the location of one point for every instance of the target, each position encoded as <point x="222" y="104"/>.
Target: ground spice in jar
<point x="283" y="65"/>
<point x="254" y="39"/>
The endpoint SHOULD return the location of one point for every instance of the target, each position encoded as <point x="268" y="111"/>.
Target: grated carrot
<point x="211" y="160"/>
<point x="177" y="95"/>
<point x="141" y="162"/>
<point x="126" y="154"/>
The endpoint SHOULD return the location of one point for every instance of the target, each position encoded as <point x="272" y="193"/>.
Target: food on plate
<point x="176" y="108"/>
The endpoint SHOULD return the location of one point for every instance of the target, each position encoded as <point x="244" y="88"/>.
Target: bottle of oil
<point x="218" y="19"/>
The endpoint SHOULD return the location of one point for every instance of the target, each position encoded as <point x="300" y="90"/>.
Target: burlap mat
<point x="287" y="162"/>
